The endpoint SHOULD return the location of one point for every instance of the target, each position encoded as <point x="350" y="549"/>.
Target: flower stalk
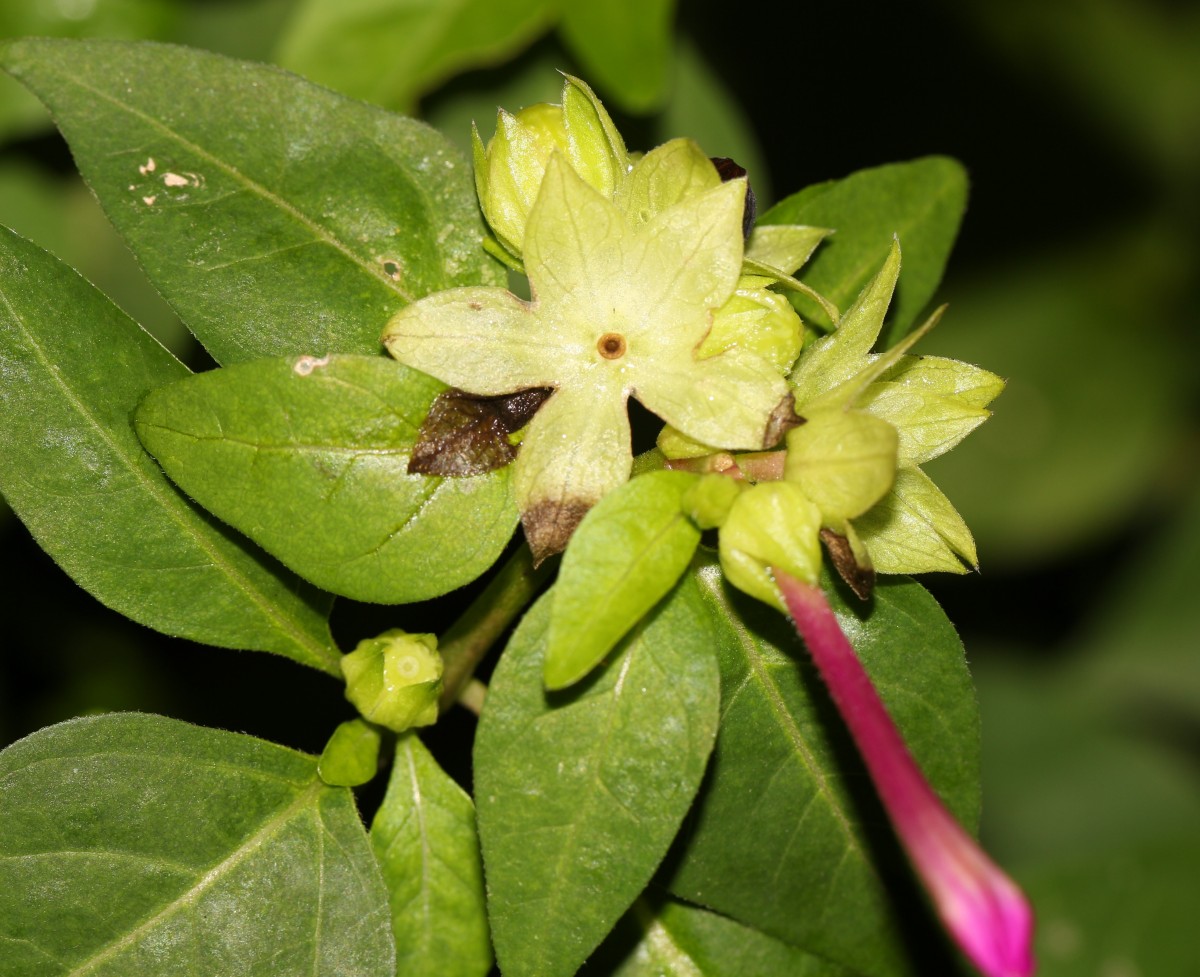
<point x="983" y="910"/>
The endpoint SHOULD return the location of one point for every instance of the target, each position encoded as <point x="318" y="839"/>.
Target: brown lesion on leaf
<point x="859" y="577"/>
<point x="549" y="525"/>
<point x="783" y="418"/>
<point x="465" y="434"/>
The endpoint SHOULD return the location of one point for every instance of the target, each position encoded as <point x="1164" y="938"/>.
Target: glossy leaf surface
<point x="135" y="844"/>
<point x="276" y="216"/>
<point x="580" y="792"/>
<point x="390" y="53"/>
<point x="310" y="459"/>
<point x="627" y="553"/>
<point x="424" y="838"/>
<point x="72" y="369"/>
<point x="674" y="939"/>
<point x="921" y="202"/>
<point x="786" y="834"/>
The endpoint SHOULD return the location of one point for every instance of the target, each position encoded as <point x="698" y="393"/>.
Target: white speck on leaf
<point x="174" y="180"/>
<point x="306" y="364"/>
<point x="149" y="201"/>
<point x="148" y="166"/>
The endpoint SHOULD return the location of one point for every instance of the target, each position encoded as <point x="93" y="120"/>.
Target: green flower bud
<point x="395" y="680"/>
<point x="772" y="524"/>
<point x="509" y="171"/>
<point x="351" y="757"/>
<point x="759" y="321"/>
<point x="674" y="444"/>
<point x="843" y="460"/>
<point x="707" y="503"/>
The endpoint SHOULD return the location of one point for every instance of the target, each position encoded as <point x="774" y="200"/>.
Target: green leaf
<point x="135" y="844"/>
<point x="1129" y="910"/>
<point x="673" y="939"/>
<point x="72" y="370"/>
<point x="624" y="47"/>
<point x="581" y="792"/>
<point x="787" y="832"/>
<point x="424" y="838"/>
<point x="922" y="202"/>
<point x="627" y="553"/>
<point x="276" y="216"/>
<point x="391" y="53"/>
<point x="309" y="458"/>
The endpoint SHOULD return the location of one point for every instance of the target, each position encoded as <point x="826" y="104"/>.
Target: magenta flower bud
<point x="980" y="906"/>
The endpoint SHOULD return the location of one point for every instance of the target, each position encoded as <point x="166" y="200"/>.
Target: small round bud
<point x="707" y="503"/>
<point x="395" y="679"/>
<point x="844" y="460"/>
<point x="758" y="320"/>
<point x="772" y="524"/>
<point x="351" y="757"/>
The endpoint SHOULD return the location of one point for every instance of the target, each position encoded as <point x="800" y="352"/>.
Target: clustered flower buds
<point x="639" y="283"/>
<point x="648" y="281"/>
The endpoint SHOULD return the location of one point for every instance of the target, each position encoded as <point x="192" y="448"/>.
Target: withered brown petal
<point x="860" y="579"/>
<point x="728" y="170"/>
<point x="464" y="434"/>
<point x="783" y="418"/>
<point x="549" y="525"/>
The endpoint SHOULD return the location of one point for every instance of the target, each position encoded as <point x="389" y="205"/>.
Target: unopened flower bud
<point x="351" y="757"/>
<point x="707" y="503"/>
<point x="509" y="171"/>
<point x="758" y="320"/>
<point x="843" y="460"/>
<point x="395" y="679"/>
<point x="772" y="524"/>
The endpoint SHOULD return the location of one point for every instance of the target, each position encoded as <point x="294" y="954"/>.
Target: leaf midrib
<point x="783" y="718"/>
<point x="325" y="658"/>
<point x="269" y="828"/>
<point x="319" y="233"/>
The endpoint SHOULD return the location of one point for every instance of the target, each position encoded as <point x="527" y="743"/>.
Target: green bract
<point x="772" y="525"/>
<point x="930" y="402"/>
<point x="395" y="680"/>
<point x="618" y="309"/>
<point x="509" y="171"/>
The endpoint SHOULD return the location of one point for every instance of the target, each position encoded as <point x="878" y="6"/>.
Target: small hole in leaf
<point x="611" y="345"/>
<point x="391" y="269"/>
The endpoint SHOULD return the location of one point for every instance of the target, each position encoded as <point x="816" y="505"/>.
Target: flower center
<point x="611" y="345"/>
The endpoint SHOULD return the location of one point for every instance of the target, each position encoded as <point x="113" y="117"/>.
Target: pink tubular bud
<point x="980" y="906"/>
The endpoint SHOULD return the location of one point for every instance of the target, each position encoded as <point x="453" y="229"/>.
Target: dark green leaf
<point x="309" y="458"/>
<point x="922" y="202"/>
<point x="276" y="216"/>
<point x="424" y="838"/>
<point x="581" y="792"/>
<point x="624" y="47"/>
<point x="391" y="53"/>
<point x="1128" y="911"/>
<point x="673" y="939"/>
<point x="627" y="553"/>
<point x="134" y="844"/>
<point x="787" y="833"/>
<point x="72" y="370"/>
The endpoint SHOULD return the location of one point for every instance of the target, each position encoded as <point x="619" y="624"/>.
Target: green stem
<point x="469" y="638"/>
